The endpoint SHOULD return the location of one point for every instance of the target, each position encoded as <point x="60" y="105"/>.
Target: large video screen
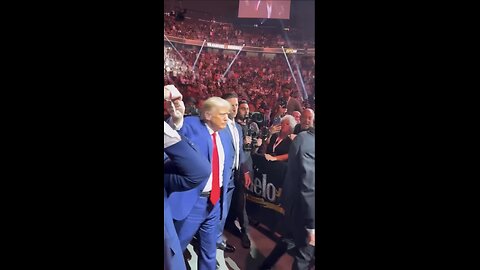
<point x="269" y="9"/>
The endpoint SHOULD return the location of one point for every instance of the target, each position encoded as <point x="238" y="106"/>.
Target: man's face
<point x="286" y="94"/>
<point x="243" y="111"/>
<point x="306" y="120"/>
<point x="218" y="117"/>
<point x="234" y="103"/>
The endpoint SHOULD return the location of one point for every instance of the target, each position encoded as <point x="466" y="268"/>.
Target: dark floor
<point x="247" y="259"/>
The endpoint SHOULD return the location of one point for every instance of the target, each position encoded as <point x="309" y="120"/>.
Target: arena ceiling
<point x="302" y="14"/>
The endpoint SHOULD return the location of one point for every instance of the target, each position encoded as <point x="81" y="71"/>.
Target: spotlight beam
<point x="183" y="59"/>
<point x="198" y="55"/>
<point x="291" y="71"/>
<point x="231" y="63"/>
<point x="288" y="62"/>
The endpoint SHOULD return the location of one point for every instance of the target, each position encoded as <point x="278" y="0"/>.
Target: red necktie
<point x="215" y="195"/>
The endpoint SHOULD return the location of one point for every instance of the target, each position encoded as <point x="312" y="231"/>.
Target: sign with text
<point x="264" y="193"/>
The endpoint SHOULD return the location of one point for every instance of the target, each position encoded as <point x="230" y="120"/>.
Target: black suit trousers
<point x="303" y="255"/>
<point x="237" y="207"/>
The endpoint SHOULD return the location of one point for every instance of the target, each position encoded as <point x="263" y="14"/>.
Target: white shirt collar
<point x="209" y="129"/>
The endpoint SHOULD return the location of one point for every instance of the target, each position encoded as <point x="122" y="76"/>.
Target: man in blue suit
<point x="200" y="209"/>
<point x="185" y="169"/>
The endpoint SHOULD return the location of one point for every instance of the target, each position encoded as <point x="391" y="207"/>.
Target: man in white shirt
<point x="240" y="173"/>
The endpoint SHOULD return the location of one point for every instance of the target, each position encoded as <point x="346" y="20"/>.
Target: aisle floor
<point x="246" y="259"/>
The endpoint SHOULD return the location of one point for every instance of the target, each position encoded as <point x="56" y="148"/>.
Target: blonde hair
<point x="212" y="104"/>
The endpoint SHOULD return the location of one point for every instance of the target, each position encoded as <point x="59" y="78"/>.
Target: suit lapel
<point x="231" y="136"/>
<point x="223" y="136"/>
<point x="209" y="142"/>
<point x="203" y="129"/>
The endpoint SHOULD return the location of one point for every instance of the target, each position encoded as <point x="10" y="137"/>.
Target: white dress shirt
<point x="170" y="136"/>
<point x="236" y="141"/>
<point x="221" y="160"/>
<point x="172" y="124"/>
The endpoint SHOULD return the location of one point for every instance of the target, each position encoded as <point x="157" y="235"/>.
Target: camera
<point x="253" y="120"/>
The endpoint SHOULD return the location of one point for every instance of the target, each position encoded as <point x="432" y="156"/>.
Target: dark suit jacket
<point x="298" y="193"/>
<point x="247" y="163"/>
<point x="293" y="105"/>
<point x="195" y="130"/>
<point x="298" y="129"/>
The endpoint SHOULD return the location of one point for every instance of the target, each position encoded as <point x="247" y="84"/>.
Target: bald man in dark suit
<point x="298" y="200"/>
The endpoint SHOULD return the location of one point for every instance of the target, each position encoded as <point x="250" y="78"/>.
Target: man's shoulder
<point x="225" y="131"/>
<point x="305" y="140"/>
<point x="192" y="120"/>
<point x="192" y="125"/>
<point x="239" y="127"/>
<point x="309" y="133"/>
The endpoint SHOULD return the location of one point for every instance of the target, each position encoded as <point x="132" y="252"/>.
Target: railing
<point x="308" y="51"/>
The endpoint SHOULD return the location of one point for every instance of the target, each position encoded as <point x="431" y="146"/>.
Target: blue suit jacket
<point x="194" y="129"/>
<point x="184" y="169"/>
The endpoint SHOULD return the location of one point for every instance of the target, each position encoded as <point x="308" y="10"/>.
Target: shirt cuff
<point x="170" y="136"/>
<point x="310" y="230"/>
<point x="173" y="125"/>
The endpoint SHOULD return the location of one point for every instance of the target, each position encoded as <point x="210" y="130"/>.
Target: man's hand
<point x="170" y="92"/>
<point x="247" y="140"/>
<point x="311" y="238"/>
<point x="259" y="142"/>
<point x="275" y="129"/>
<point x="176" y="109"/>
<point x="248" y="180"/>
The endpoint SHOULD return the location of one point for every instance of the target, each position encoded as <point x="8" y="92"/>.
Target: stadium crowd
<point x="221" y="32"/>
<point x="214" y="142"/>
<point x="256" y="80"/>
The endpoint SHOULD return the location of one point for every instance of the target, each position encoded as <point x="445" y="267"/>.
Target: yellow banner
<point x="265" y="204"/>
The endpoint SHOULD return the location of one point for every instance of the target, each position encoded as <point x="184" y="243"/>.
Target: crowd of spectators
<point x="263" y="82"/>
<point x="219" y="32"/>
<point x="258" y="80"/>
